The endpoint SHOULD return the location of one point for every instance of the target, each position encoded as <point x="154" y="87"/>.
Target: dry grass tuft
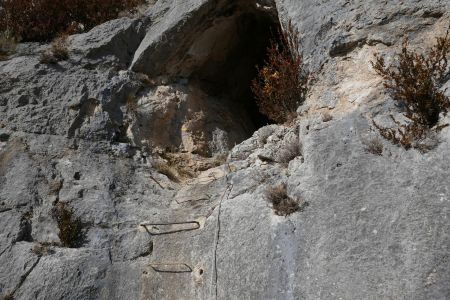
<point x="132" y="105"/>
<point x="374" y="146"/>
<point x="404" y="135"/>
<point x="58" y="51"/>
<point x="54" y="186"/>
<point x="7" y="45"/>
<point x="281" y="84"/>
<point x="41" y="249"/>
<point x="289" y="151"/>
<point x="60" y="48"/>
<point x="282" y="204"/>
<point x="8" y="296"/>
<point x="72" y="232"/>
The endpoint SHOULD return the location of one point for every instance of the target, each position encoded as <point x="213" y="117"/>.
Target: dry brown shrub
<point x="404" y="135"/>
<point x="411" y="135"/>
<point x="281" y="84"/>
<point x="132" y="105"/>
<point x="374" y="146"/>
<point x="289" y="151"/>
<point x="41" y="249"/>
<point x="58" y="51"/>
<point x="8" y="296"/>
<point x="415" y="81"/>
<point x="282" y="204"/>
<point x="42" y="20"/>
<point x="54" y="186"/>
<point x="7" y="45"/>
<point x="72" y="231"/>
<point x="60" y="48"/>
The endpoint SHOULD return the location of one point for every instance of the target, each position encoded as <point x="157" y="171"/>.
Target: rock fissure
<point x="24" y="277"/>
<point x="217" y="237"/>
<point x="6" y="248"/>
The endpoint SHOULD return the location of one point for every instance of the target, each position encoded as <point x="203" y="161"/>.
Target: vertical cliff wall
<point x="150" y="135"/>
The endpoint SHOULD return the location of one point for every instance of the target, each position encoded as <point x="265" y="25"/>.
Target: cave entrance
<point x="231" y="66"/>
<point x="205" y="103"/>
<point x="222" y="62"/>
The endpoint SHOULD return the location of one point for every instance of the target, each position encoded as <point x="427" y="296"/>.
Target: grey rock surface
<point x="130" y="134"/>
<point x="118" y="38"/>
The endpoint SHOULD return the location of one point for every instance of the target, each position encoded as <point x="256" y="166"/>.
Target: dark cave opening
<point x="232" y="66"/>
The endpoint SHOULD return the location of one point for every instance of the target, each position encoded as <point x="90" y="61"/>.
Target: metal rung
<point x="171" y="268"/>
<point x="184" y="199"/>
<point x="168" y="228"/>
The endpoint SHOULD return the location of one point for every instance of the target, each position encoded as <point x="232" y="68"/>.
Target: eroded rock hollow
<point x="203" y="98"/>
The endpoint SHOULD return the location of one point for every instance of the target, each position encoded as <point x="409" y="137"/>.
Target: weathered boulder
<point x="118" y="38"/>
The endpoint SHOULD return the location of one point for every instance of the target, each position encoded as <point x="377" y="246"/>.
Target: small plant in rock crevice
<point x="72" y="231"/>
<point x="42" y="249"/>
<point x="7" y="45"/>
<point x="289" y="151"/>
<point x="54" y="186"/>
<point x="132" y="105"/>
<point x="282" y="204"/>
<point x="281" y="84"/>
<point x="415" y="81"/>
<point x="58" y="51"/>
<point x="8" y="296"/>
<point x="374" y="146"/>
<point x="26" y="228"/>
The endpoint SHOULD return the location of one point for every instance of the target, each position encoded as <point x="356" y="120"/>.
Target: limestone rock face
<point x="149" y="133"/>
<point x="192" y="121"/>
